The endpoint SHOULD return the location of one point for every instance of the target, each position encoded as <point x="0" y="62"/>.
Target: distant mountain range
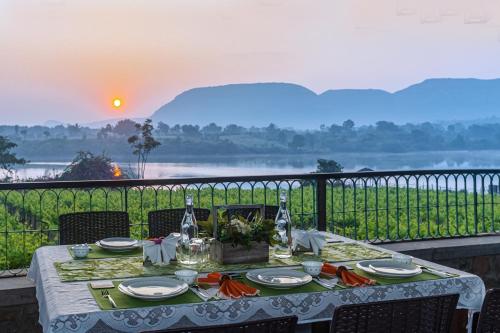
<point x="291" y="105"/>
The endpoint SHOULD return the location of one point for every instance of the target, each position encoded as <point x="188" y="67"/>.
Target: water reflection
<point x="262" y="165"/>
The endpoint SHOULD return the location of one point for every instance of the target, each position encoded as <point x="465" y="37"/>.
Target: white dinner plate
<point x="153" y="288"/>
<point x="389" y="268"/>
<point x="118" y="244"/>
<point x="279" y="278"/>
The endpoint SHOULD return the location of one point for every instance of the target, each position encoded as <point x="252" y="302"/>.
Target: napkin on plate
<point x="161" y="250"/>
<point x="309" y="239"/>
<point x="228" y="288"/>
<point x="348" y="278"/>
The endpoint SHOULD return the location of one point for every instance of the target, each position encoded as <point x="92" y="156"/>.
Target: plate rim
<point x="410" y="271"/>
<point x="369" y="270"/>
<point x="124" y="287"/>
<point x="132" y="240"/>
<point x="254" y="279"/>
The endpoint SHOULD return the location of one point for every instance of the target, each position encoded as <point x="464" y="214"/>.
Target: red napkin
<point x="228" y="288"/>
<point x="349" y="278"/>
<point x="156" y="240"/>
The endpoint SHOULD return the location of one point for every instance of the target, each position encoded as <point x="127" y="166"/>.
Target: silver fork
<point x="197" y="290"/>
<point x="328" y="283"/>
<point x="105" y="294"/>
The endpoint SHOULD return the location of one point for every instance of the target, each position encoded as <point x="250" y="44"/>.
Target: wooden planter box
<point x="226" y="253"/>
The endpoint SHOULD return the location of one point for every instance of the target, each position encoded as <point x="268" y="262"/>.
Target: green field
<point x="28" y="219"/>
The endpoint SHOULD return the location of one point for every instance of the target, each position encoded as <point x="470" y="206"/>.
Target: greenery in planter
<point x="237" y="230"/>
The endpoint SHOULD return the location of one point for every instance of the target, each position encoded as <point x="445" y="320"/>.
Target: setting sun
<point x="117" y="103"/>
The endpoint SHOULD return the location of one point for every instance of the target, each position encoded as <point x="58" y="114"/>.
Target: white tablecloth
<point x="69" y="306"/>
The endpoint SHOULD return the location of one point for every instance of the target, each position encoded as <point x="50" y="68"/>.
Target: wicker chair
<point x="489" y="318"/>
<point x="272" y="325"/>
<point x="89" y="227"/>
<point x="164" y="222"/>
<point x="423" y="315"/>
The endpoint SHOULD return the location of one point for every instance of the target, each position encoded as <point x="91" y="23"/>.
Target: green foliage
<point x="326" y="166"/>
<point x="237" y="230"/>
<point x="142" y="145"/>
<point x="30" y="219"/>
<point x="87" y="166"/>
<point x="7" y="158"/>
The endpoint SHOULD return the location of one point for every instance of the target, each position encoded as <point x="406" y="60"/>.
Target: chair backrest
<point x="164" y="222"/>
<point x="272" y="325"/>
<point x="270" y="212"/>
<point x="424" y="315"/>
<point x="89" y="227"/>
<point x="489" y="318"/>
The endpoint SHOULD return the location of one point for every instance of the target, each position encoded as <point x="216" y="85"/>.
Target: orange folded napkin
<point x="228" y="288"/>
<point x="212" y="279"/>
<point x="349" y="278"/>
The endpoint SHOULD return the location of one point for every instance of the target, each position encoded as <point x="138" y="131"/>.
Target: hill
<point x="291" y="105"/>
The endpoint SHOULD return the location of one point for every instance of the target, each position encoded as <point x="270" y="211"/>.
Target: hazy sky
<point x="67" y="60"/>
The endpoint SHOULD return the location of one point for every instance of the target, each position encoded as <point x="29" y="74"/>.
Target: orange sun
<point x="117" y="103"/>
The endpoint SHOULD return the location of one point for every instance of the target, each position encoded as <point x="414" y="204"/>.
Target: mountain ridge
<point x="293" y="105"/>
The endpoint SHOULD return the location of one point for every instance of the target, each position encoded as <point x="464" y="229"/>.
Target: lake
<point x="290" y="164"/>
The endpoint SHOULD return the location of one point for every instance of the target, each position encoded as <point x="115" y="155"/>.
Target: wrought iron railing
<point x="372" y="206"/>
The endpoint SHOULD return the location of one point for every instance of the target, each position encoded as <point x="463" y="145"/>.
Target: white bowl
<point x="312" y="268"/>
<point x="187" y="275"/>
<point x="81" y="250"/>
<point x="402" y="258"/>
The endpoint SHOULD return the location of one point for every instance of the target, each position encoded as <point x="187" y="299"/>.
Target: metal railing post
<point x="321" y="203"/>
<point x="474" y="182"/>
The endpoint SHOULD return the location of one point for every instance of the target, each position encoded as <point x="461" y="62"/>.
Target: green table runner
<point x="126" y="302"/>
<point x="125" y="267"/>
<point x="98" y="253"/>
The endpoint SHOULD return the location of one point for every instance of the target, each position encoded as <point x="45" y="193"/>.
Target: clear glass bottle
<point x="190" y="246"/>
<point x="283" y="230"/>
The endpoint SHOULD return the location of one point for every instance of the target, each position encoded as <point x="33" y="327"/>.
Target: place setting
<point x="400" y="266"/>
<point x="107" y="248"/>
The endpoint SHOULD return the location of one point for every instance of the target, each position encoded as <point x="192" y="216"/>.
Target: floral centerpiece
<point x="239" y="239"/>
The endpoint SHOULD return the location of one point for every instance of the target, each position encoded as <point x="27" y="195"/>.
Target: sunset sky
<point x="68" y="60"/>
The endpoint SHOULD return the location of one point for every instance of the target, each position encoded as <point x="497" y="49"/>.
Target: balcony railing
<point x="372" y="206"/>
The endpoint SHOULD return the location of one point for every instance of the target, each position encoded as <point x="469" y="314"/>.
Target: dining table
<point x="68" y="303"/>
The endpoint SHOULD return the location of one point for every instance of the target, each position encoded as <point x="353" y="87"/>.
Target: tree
<point x="163" y="128"/>
<point x="87" y="166"/>
<point x="46" y="134"/>
<point x="191" y="130"/>
<point x="348" y="124"/>
<point x="24" y="133"/>
<point x="74" y="130"/>
<point x="327" y="166"/>
<point x="298" y="141"/>
<point x="233" y="129"/>
<point x="125" y="127"/>
<point x="142" y="145"/>
<point x="104" y="132"/>
<point x="211" y="130"/>
<point x="7" y="158"/>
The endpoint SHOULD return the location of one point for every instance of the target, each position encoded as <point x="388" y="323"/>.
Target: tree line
<point x="384" y="136"/>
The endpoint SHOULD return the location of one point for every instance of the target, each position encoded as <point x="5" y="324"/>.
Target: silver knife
<point x="323" y="284"/>
<point x="112" y="301"/>
<point x="204" y="297"/>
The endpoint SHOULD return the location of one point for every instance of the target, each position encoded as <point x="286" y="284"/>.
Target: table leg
<point x="459" y="321"/>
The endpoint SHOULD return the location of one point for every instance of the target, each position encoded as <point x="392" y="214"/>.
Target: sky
<point x="66" y="60"/>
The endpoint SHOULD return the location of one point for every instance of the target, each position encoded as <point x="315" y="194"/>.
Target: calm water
<point x="264" y="165"/>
